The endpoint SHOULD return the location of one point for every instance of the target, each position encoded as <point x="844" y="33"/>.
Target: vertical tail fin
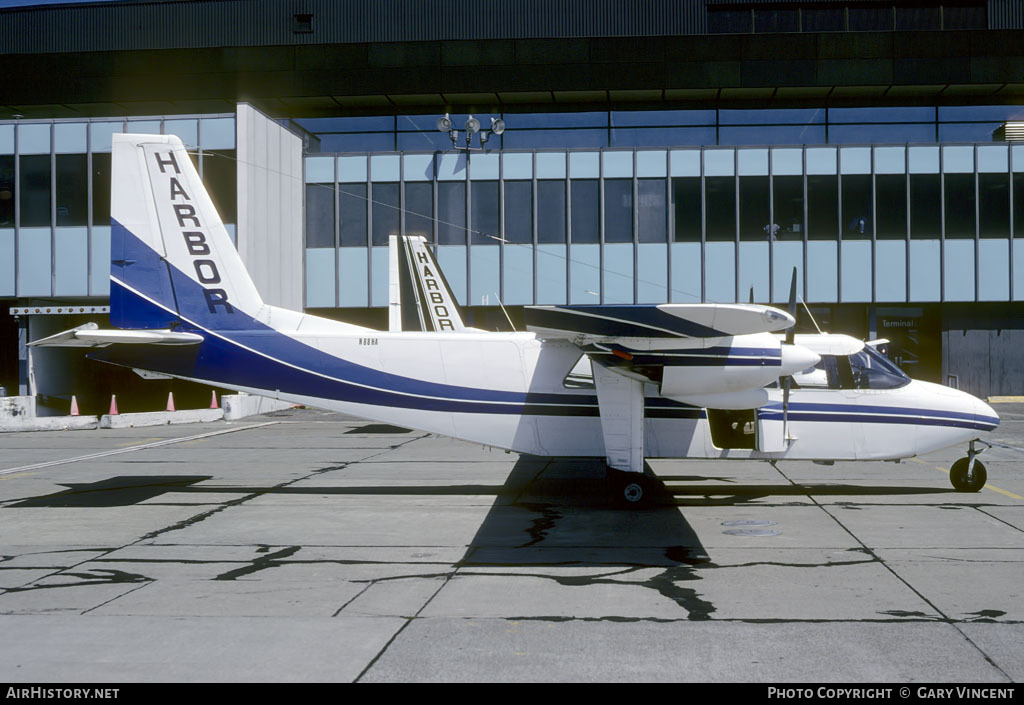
<point x="171" y="258"/>
<point x="419" y="295"/>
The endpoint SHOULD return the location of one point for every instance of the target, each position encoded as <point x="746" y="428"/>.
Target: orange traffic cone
<point x="170" y="401"/>
<point x="113" y="404"/>
<point x="213" y="399"/>
<point x="74" y="406"/>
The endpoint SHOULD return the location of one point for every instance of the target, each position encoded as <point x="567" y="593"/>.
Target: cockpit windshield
<point x="867" y="369"/>
<point x="872" y="370"/>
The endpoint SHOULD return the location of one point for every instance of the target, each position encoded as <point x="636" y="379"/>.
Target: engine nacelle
<point x="743" y="362"/>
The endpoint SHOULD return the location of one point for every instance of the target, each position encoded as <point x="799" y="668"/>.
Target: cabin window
<point x="580" y="375"/>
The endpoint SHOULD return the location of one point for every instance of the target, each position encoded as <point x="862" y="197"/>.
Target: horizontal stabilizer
<point x="91" y="336"/>
<point x="663" y="321"/>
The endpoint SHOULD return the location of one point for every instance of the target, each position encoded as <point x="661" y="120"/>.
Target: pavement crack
<point x="1002" y="521"/>
<point x="264" y="562"/>
<point x="98" y="576"/>
<point x="540" y="526"/>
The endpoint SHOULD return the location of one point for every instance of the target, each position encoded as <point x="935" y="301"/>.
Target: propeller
<point x="786" y="382"/>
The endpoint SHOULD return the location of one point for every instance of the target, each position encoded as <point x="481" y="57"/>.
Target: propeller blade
<point x="751" y="294"/>
<point x="791" y="333"/>
<point x="786" y="383"/>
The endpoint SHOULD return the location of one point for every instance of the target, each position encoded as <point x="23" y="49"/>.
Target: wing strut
<point x="621" y="403"/>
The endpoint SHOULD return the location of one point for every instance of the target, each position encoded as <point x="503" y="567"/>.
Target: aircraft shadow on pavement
<point x="546" y="512"/>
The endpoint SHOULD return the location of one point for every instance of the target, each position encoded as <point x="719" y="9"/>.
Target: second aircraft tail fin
<point x="419" y="298"/>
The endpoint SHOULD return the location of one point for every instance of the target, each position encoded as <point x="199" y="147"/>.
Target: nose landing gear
<point x="968" y="474"/>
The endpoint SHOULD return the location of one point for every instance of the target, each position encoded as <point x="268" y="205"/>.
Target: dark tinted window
<point x="419" y="209"/>
<point x="788" y="204"/>
<point x="519" y="211"/>
<point x="822" y="207"/>
<point x="550" y="211"/>
<point x="7" y="191"/>
<point x="653" y="215"/>
<point x="386" y="214"/>
<point x="585" y="220"/>
<point x="320" y="215"/>
<point x="618" y="210"/>
<point x="485" y="224"/>
<point x="994" y="205"/>
<point x="891" y="195"/>
<point x="72" y="190"/>
<point x="352" y="214"/>
<point x="959" y="200"/>
<point x="925" y="206"/>
<point x="686" y="208"/>
<point x="1018" y="205"/>
<point x="101" y="189"/>
<point x="451" y="213"/>
<point x="754" y="203"/>
<point x="720" y="207"/>
<point x="856" y="206"/>
<point x="220" y="174"/>
<point x="34" y="190"/>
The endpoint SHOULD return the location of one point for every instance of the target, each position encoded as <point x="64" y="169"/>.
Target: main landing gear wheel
<point x="630" y="489"/>
<point x="966" y="478"/>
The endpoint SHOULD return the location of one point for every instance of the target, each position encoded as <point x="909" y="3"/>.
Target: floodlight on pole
<point x="472" y="127"/>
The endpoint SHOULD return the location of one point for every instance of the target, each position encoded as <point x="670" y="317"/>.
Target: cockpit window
<point x="871" y="370"/>
<point x="867" y="369"/>
<point x="812" y="378"/>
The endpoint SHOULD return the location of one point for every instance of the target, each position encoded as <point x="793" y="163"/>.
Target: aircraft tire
<point x="629" y="489"/>
<point x="964" y="481"/>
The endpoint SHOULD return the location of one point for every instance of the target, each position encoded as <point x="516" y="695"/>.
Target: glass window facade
<point x="55" y="197"/>
<point x="884" y="223"/>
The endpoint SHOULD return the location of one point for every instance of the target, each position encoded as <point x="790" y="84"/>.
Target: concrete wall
<point x="270" y="206"/>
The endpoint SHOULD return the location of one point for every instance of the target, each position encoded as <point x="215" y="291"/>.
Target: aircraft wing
<point x="583" y="324"/>
<point x="91" y="336"/>
<point x="718" y="355"/>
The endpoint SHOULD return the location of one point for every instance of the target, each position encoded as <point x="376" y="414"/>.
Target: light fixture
<point x="472" y="127"/>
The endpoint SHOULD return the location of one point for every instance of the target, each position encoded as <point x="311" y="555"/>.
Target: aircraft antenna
<point x="806" y="308"/>
<point x="507" y="317"/>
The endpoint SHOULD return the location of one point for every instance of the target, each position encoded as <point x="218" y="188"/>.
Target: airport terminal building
<point x="653" y="151"/>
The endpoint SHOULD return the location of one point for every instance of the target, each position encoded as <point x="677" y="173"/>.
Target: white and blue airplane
<point x="622" y="382"/>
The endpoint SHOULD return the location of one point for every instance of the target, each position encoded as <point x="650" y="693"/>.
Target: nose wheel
<point x="968" y="474"/>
